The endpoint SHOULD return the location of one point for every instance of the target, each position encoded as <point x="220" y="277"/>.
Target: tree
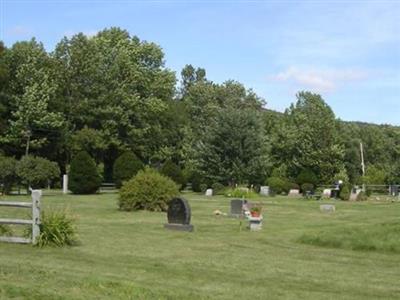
<point x="309" y="138"/>
<point x="8" y="175"/>
<point x="83" y="175"/>
<point x="174" y="172"/>
<point x="33" y="92"/>
<point x="125" y="167"/>
<point x="233" y="150"/>
<point x="37" y="172"/>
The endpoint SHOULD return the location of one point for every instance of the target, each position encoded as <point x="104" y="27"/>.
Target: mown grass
<point x="129" y="255"/>
<point x="372" y="237"/>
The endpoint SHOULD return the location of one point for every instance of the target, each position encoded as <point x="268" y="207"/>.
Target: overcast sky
<point x="348" y="51"/>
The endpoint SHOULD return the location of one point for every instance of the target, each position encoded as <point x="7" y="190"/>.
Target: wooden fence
<point x="34" y="222"/>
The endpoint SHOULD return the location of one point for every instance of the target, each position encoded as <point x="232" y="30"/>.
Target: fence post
<point x="36" y="195"/>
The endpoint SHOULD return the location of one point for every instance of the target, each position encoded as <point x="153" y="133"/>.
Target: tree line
<point x="112" y="93"/>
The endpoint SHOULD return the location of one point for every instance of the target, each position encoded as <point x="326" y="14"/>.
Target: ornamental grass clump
<point x="56" y="229"/>
<point x="148" y="190"/>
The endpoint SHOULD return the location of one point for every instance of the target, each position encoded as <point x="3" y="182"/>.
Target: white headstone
<point x="354" y="195"/>
<point x="327" y="208"/>
<point x="294" y="192"/>
<point x="327" y="193"/>
<point x="209" y="192"/>
<point x="264" y="190"/>
<point x="65" y="184"/>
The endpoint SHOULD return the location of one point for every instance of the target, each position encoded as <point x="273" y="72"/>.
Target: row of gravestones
<point x="179" y="213"/>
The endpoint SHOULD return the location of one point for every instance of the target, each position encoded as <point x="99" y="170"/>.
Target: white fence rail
<point x="34" y="222"/>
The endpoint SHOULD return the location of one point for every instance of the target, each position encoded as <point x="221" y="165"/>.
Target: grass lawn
<point x="301" y="253"/>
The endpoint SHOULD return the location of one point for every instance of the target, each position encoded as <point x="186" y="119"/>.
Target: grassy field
<point x="301" y="253"/>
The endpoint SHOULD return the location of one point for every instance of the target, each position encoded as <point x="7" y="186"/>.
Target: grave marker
<point x="179" y="215"/>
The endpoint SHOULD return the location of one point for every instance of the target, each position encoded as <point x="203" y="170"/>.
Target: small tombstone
<point x="294" y="193"/>
<point x="326" y="193"/>
<point x="327" y="208"/>
<point x="179" y="215"/>
<point x="394" y="190"/>
<point x="244" y="189"/>
<point x="237" y="207"/>
<point x="255" y="223"/>
<point x="264" y="191"/>
<point x="354" y="194"/>
<point x="209" y="192"/>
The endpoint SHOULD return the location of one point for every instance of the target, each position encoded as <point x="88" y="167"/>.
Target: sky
<point x="347" y="51"/>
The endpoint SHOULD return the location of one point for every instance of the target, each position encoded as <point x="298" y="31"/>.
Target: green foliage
<point x="218" y="188"/>
<point x="307" y="176"/>
<point x="345" y="192"/>
<point x="5" y="230"/>
<point x="8" y="174"/>
<point x="240" y="192"/>
<point x="37" y="172"/>
<point x="203" y="188"/>
<point x="148" y="190"/>
<point x="174" y="172"/>
<point x="374" y="175"/>
<point x="125" y="167"/>
<point x="307" y="187"/>
<point x="83" y="175"/>
<point x="308" y="138"/>
<point x="196" y="180"/>
<point x="373" y="237"/>
<point x="233" y="150"/>
<point x="57" y="228"/>
<point x="363" y="196"/>
<point x="278" y="185"/>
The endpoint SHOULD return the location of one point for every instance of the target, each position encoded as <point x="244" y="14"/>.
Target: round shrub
<point x="345" y="193"/>
<point x="148" y="190"/>
<point x="307" y="176"/>
<point x="278" y="185"/>
<point x="36" y="172"/>
<point x="307" y="187"/>
<point x="83" y="175"/>
<point x="125" y="167"/>
<point x="218" y="188"/>
<point x="174" y="172"/>
<point x="196" y="181"/>
<point x="203" y="188"/>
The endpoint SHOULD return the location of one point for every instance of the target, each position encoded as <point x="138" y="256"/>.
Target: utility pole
<point x="362" y="163"/>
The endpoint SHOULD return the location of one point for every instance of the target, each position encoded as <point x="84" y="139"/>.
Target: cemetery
<point x="123" y="254"/>
<point x="231" y="150"/>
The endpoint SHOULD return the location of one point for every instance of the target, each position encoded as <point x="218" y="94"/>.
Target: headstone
<point x="65" y="184"/>
<point x="244" y="189"/>
<point x="209" y="192"/>
<point x="394" y="190"/>
<point x="327" y="208"/>
<point x="354" y="194"/>
<point x="326" y="193"/>
<point x="237" y="207"/>
<point x="179" y="215"/>
<point x="264" y="191"/>
<point x="255" y="223"/>
<point x="294" y="193"/>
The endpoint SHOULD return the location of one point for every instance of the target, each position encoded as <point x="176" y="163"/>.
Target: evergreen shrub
<point x="125" y="167"/>
<point x="83" y="175"/>
<point x="174" y="172"/>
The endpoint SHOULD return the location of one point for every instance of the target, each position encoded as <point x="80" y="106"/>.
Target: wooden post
<point x="36" y="195"/>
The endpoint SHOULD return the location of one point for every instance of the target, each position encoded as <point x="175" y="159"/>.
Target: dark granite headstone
<point x="179" y="215"/>
<point x="237" y="207"/>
